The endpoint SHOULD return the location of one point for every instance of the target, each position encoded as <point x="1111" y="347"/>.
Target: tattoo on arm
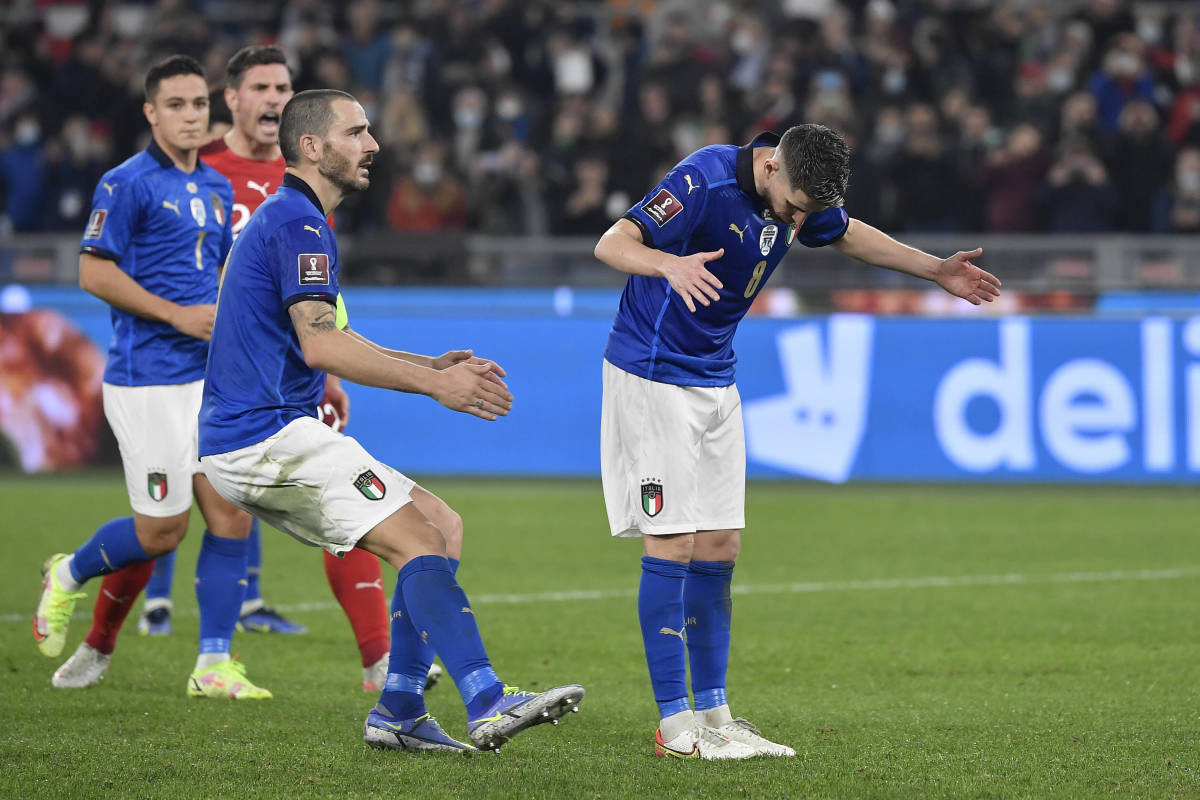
<point x="311" y="317"/>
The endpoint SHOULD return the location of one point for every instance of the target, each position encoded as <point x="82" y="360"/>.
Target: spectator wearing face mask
<point x="22" y="175"/>
<point x="75" y="162"/>
<point x="1177" y="208"/>
<point x="1140" y="163"/>
<point x="1079" y="196"/>
<point x="429" y="198"/>
<point x="1011" y="176"/>
<point x="1122" y="78"/>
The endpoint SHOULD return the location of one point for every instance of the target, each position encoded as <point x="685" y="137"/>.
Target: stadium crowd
<point x="545" y="117"/>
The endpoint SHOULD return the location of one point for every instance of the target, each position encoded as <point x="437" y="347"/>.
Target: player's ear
<point x="231" y="99"/>
<point x="770" y="166"/>
<point x="310" y="146"/>
<point x="151" y="113"/>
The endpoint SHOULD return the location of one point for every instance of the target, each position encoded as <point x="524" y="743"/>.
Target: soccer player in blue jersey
<point x="280" y="327"/>
<point x="158" y="233"/>
<point x="698" y="249"/>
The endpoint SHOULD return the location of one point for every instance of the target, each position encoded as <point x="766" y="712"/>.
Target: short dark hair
<point x="818" y="163"/>
<point x="309" y="112"/>
<point x="168" y="68"/>
<point x="252" y="56"/>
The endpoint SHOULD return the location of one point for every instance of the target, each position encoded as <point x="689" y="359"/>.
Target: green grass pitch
<point x="944" y="641"/>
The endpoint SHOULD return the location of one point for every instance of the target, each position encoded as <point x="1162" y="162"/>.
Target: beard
<point x="338" y="170"/>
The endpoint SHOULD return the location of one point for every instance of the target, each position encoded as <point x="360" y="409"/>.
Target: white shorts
<point x="672" y="458"/>
<point x="312" y="482"/>
<point x="156" y="429"/>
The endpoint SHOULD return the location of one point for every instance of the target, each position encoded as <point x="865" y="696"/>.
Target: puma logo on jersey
<point x="173" y="206"/>
<point x="109" y="187"/>
<point x="317" y="230"/>
<point x="467" y="610"/>
<point x="375" y="584"/>
<point x="740" y="232"/>
<point x="261" y="188"/>
<point x="691" y="185"/>
<point x="668" y="632"/>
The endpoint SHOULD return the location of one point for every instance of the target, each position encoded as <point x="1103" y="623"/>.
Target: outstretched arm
<point x="465" y="387"/>
<point x="444" y="361"/>
<point x="956" y="274"/>
<point x="621" y="247"/>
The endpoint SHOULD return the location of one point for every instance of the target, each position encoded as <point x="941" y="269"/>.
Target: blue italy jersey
<point x="257" y="381"/>
<point x="708" y="201"/>
<point x="170" y="231"/>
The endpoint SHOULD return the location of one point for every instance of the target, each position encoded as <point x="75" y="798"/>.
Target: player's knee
<point x="159" y="536"/>
<point x="230" y="523"/>
<point x="674" y="547"/>
<point x="451" y="528"/>
<point x="429" y="539"/>
<point x="717" y="546"/>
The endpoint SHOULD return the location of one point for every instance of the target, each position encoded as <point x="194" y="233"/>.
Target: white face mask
<point x="890" y="134"/>
<point x="742" y="42"/>
<point x="468" y="118"/>
<point x="1149" y="30"/>
<point x="1059" y="79"/>
<point x="27" y="132"/>
<point x="1189" y="181"/>
<point x="427" y="173"/>
<point x="509" y="108"/>
<point x="894" y="81"/>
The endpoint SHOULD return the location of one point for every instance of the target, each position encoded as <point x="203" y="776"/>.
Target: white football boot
<point x="85" y="668"/>
<point x="703" y="742"/>
<point x="740" y="730"/>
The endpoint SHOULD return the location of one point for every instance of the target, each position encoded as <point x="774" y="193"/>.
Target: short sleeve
<point x="671" y="210"/>
<point x="226" y="226"/>
<point x="823" y="228"/>
<point x="115" y="211"/>
<point x="304" y="257"/>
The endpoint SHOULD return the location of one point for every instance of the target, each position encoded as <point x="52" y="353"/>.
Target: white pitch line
<point x="877" y="584"/>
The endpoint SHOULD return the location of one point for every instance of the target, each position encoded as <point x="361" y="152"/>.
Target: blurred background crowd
<point x="516" y="117"/>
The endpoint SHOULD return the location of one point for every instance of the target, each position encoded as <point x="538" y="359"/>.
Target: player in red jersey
<point x="258" y="85"/>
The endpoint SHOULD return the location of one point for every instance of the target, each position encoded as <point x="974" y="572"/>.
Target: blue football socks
<point x="253" y="566"/>
<point x="408" y="662"/>
<point x="112" y="546"/>
<point x="158" y="590"/>
<point x="403" y="694"/>
<point x="660" y="610"/>
<point x="442" y="616"/>
<point x="220" y="585"/>
<point x="708" y="607"/>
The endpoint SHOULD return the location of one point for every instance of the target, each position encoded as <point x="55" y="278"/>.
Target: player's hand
<point x="472" y="387"/>
<point x="691" y="279"/>
<point x="452" y="357"/>
<point x="196" y="321"/>
<point x="334" y="409"/>
<point x="958" y="276"/>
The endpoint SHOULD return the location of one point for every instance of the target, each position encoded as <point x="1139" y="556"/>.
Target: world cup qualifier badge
<point x="652" y="497"/>
<point x="156" y="485"/>
<point x="371" y="487"/>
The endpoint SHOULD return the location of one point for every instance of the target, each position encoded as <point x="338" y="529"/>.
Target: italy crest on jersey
<point x="371" y="487"/>
<point x="652" y="498"/>
<point x="218" y="208"/>
<point x="156" y="485"/>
